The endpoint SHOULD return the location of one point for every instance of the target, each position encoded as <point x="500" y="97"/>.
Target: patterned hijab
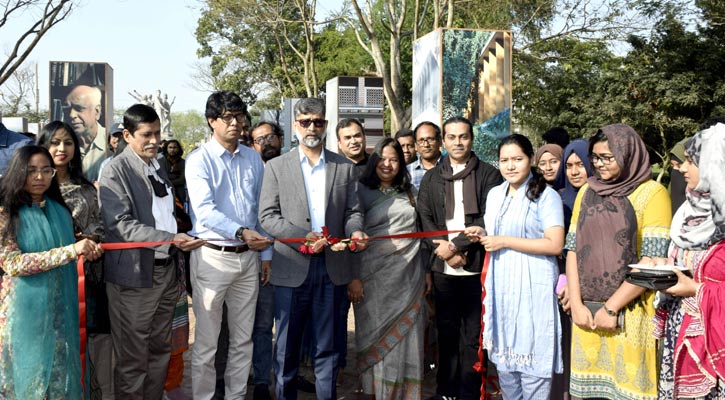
<point x="699" y="222"/>
<point x="606" y="233"/>
<point x="631" y="155"/>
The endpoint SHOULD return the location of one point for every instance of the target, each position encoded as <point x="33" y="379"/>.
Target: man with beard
<point x="351" y="140"/>
<point x="266" y="139"/>
<point x="309" y="288"/>
<point x="84" y="111"/>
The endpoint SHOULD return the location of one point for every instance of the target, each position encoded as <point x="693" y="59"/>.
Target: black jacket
<point x="432" y="214"/>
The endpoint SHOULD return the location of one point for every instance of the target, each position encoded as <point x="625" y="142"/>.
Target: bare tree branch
<point x="53" y="12"/>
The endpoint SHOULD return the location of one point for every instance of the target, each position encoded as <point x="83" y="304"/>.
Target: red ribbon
<point x="480" y="365"/>
<point x="136" y="245"/>
<point x="82" y="314"/>
<point x="412" y="235"/>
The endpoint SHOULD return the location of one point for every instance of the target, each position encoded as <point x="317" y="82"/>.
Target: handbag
<point x="594" y="306"/>
<point x="652" y="281"/>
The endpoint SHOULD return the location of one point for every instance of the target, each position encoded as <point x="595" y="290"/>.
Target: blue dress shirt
<point x="224" y="191"/>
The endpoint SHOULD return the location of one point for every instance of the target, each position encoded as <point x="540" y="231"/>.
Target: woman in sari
<point x="693" y="364"/>
<point x="620" y="217"/>
<point x="39" y="335"/>
<point x="389" y="320"/>
<point x="81" y="198"/>
<point x="524" y="234"/>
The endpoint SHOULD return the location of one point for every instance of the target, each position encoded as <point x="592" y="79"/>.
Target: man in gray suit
<point x="137" y="205"/>
<point x="303" y="191"/>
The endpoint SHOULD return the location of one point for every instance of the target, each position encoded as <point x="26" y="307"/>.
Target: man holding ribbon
<point x="137" y="205"/>
<point x="304" y="191"/>
<point x="452" y="197"/>
<point x="226" y="178"/>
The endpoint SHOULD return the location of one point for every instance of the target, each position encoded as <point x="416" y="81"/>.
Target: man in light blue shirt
<point x="224" y="180"/>
<point x="428" y="146"/>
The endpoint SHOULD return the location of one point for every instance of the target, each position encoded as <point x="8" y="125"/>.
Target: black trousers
<point x="458" y="320"/>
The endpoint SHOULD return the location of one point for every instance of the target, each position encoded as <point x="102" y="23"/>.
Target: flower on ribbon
<point x="335" y="244"/>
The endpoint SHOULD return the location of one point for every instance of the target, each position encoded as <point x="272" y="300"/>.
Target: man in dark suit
<point x="137" y="205"/>
<point x="303" y="191"/>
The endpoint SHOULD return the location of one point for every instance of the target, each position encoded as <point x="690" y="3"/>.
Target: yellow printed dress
<point x="623" y="364"/>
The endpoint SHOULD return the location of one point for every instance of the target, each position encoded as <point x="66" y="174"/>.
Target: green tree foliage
<point x="190" y="128"/>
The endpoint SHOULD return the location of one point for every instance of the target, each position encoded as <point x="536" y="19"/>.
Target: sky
<point x="150" y="45"/>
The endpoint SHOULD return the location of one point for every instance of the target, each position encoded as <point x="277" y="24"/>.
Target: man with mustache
<point x="266" y="139"/>
<point x="351" y="140"/>
<point x="303" y="191"/>
<point x="452" y="197"/>
<point x="83" y="104"/>
<point x="225" y="178"/>
<point x="427" y="137"/>
<point x="137" y="205"/>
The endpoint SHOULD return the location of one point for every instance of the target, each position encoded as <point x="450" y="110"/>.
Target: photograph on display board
<point x="81" y="95"/>
<point x="474" y="82"/>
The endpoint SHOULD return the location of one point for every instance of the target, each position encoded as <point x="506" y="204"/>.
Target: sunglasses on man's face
<point x="319" y="123"/>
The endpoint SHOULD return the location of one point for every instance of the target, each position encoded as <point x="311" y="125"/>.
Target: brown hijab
<point x="606" y="234"/>
<point x="554" y="149"/>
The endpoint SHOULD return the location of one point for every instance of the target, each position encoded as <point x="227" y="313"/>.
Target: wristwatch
<point x="610" y="312"/>
<point x="238" y="233"/>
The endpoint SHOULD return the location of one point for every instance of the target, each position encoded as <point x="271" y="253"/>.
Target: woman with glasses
<point x="39" y="332"/>
<point x="620" y="217"/>
<point x="390" y="317"/>
<point x="81" y="197"/>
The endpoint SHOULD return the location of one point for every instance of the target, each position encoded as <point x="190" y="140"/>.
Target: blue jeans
<point x="317" y="301"/>
<point x="262" y="336"/>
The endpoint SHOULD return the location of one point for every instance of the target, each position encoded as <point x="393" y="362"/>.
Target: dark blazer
<point x="284" y="213"/>
<point x="432" y="213"/>
<point x="126" y="195"/>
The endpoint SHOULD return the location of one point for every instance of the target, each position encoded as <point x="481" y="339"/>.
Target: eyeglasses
<point x="426" y="141"/>
<point x="269" y="138"/>
<point x="46" y="172"/>
<point x="606" y="160"/>
<point x="241" y="117"/>
<point x="319" y="123"/>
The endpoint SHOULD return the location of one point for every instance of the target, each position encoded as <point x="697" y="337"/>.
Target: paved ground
<point x="349" y="386"/>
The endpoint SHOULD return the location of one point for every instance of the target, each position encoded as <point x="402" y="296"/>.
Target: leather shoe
<point x="261" y="392"/>
<point x="304" y="385"/>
